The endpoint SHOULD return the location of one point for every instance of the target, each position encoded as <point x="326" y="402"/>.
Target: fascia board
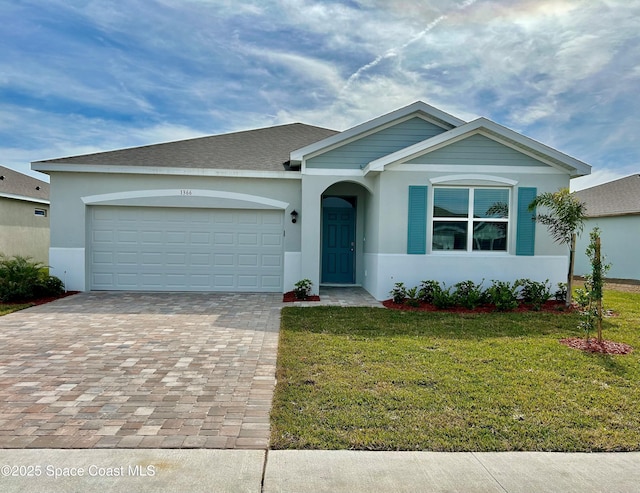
<point x="435" y="114"/>
<point x="152" y="170"/>
<point x="498" y="132"/>
<point x="24" y="198"/>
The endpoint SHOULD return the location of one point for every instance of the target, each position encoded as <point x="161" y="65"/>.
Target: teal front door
<point x="338" y="243"/>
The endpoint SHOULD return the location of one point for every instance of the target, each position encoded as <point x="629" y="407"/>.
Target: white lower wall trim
<point x="68" y="264"/>
<point x="292" y="270"/>
<point x="384" y="270"/>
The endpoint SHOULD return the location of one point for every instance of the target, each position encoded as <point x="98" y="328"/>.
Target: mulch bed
<point x="290" y="297"/>
<point x="549" y="306"/>
<point x="593" y="346"/>
<point x="42" y="301"/>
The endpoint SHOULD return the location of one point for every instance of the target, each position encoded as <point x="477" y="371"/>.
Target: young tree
<point x="589" y="298"/>
<point x="564" y="220"/>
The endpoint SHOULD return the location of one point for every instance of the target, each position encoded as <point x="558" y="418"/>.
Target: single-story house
<point x="24" y="216"/>
<point x="613" y="207"/>
<point x="413" y="194"/>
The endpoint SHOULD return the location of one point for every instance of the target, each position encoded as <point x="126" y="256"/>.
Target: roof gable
<point x="492" y="130"/>
<point x="615" y="198"/>
<point x="357" y="153"/>
<point x="480" y="150"/>
<point x="20" y="186"/>
<point x="417" y="109"/>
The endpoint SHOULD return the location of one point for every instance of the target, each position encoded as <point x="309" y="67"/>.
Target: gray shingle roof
<point x="14" y="183"/>
<point x="616" y="198"/>
<point x="265" y="149"/>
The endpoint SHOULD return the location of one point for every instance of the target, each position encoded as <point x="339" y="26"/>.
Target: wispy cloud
<point x="80" y="77"/>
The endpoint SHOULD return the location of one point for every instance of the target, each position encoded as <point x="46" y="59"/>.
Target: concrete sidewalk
<point x="255" y="471"/>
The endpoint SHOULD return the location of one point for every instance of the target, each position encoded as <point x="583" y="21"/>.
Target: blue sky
<point x="81" y="76"/>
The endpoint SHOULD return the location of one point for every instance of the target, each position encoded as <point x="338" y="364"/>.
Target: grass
<point x="373" y="379"/>
<point x="6" y="308"/>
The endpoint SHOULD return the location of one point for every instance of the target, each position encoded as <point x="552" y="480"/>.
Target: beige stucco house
<point x="24" y="215"/>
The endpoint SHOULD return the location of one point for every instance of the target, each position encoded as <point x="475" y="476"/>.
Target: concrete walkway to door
<point x="139" y="370"/>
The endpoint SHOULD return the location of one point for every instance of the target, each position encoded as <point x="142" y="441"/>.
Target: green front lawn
<point x="6" y="308"/>
<point x="375" y="379"/>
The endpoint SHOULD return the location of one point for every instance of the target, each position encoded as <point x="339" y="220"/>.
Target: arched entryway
<point x="342" y="233"/>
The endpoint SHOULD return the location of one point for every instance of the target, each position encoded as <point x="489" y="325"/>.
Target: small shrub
<point x="22" y="279"/>
<point x="469" y="294"/>
<point x="533" y="292"/>
<point x="588" y="311"/>
<point x="398" y="293"/>
<point x="428" y="289"/>
<point x="503" y="295"/>
<point x="412" y="297"/>
<point x="302" y="289"/>
<point x="443" y="298"/>
<point x="561" y="292"/>
<point x="49" y="286"/>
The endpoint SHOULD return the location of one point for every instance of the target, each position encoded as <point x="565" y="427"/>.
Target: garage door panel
<point x="223" y="217"/>
<point x="200" y="260"/>
<point x="224" y="281"/>
<point x="143" y="248"/>
<point x="269" y="239"/>
<point x="101" y="236"/>
<point x="270" y="282"/>
<point x="248" y="281"/>
<point x="271" y="261"/>
<point x="126" y="280"/>
<point x="177" y="259"/>
<point x="126" y="236"/>
<point x="223" y="239"/>
<point x="223" y="260"/>
<point x="151" y="259"/>
<point x="126" y="258"/>
<point x="248" y="218"/>
<point x="247" y="239"/>
<point x="248" y="260"/>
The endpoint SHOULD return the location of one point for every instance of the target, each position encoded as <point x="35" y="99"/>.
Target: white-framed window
<point x="40" y="212"/>
<point x="470" y="219"/>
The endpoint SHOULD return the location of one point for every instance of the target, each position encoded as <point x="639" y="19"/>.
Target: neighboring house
<point x="24" y="216"/>
<point x="413" y="194"/>
<point x="613" y="207"/>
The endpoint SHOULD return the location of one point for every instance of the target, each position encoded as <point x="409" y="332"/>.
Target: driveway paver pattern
<point x="139" y="370"/>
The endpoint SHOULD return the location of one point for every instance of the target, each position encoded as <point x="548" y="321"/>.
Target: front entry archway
<point x="338" y="239"/>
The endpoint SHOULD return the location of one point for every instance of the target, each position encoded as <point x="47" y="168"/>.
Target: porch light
<point x="294" y="216"/>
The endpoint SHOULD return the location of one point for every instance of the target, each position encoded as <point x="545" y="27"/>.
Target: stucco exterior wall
<point x="389" y="262"/>
<point x="72" y="193"/>
<point x="313" y="187"/>
<point x="22" y="232"/>
<point x="620" y="237"/>
<point x="392" y="196"/>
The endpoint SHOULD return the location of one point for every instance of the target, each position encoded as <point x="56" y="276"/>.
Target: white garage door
<point x="175" y="249"/>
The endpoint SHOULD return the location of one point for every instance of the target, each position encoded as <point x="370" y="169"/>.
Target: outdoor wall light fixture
<point x="294" y="216"/>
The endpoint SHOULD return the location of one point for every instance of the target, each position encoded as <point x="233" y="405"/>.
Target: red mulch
<point x="290" y="297"/>
<point x="549" y="306"/>
<point x="593" y="346"/>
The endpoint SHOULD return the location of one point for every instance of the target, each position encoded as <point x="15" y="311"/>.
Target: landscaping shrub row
<point x="23" y="279"/>
<point x="502" y="295"/>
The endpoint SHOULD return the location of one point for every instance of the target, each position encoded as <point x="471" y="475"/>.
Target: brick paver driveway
<point x="139" y="370"/>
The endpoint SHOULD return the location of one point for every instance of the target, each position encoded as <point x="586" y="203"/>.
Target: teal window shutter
<point x="526" y="229"/>
<point x="417" y="227"/>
